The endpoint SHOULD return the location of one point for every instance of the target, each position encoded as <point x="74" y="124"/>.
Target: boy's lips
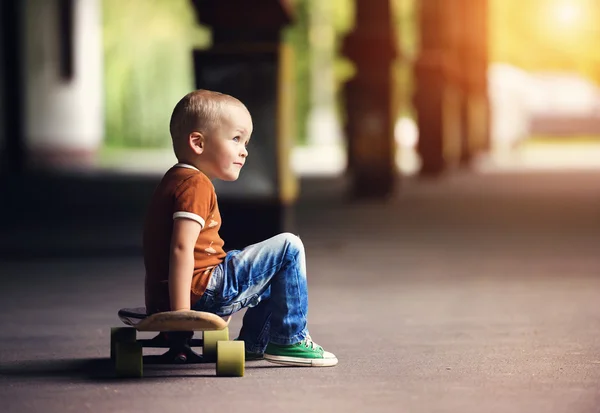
<point x="238" y="163"/>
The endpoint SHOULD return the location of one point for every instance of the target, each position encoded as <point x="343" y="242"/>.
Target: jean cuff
<point x="285" y="341"/>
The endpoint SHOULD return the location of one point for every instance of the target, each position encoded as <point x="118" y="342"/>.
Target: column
<point x="369" y="100"/>
<point x="249" y="61"/>
<point x="438" y="96"/>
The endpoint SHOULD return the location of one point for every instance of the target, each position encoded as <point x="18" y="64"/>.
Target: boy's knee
<point x="294" y="251"/>
<point x="291" y="241"/>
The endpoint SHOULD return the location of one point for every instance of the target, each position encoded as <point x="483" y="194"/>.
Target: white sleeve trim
<point x="189" y="215"/>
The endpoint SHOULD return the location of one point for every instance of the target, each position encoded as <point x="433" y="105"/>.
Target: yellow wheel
<point x="128" y="360"/>
<point x="211" y="337"/>
<point x="230" y="358"/>
<point x="120" y="335"/>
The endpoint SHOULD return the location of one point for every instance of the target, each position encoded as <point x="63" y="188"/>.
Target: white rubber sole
<point x="328" y="361"/>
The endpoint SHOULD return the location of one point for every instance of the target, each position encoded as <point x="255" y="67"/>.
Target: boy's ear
<point x="196" y="142"/>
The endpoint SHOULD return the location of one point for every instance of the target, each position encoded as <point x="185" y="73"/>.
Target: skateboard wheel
<point x="120" y="335"/>
<point x="211" y="337"/>
<point x="128" y="359"/>
<point x="230" y="358"/>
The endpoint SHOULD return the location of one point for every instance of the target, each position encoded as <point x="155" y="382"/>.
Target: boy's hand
<point x="181" y="264"/>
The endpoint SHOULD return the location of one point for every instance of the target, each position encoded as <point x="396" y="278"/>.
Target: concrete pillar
<point x="370" y="103"/>
<point x="64" y="117"/>
<point x="248" y="60"/>
<point x="438" y="95"/>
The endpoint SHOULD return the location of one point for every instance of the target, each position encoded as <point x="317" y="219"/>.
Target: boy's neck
<point x="186" y="164"/>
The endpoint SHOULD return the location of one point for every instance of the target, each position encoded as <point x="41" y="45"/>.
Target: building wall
<point x="64" y="121"/>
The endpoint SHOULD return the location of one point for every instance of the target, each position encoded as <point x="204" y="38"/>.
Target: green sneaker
<point x="306" y="353"/>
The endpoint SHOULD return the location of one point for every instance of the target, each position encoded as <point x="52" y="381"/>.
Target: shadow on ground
<point x="102" y="370"/>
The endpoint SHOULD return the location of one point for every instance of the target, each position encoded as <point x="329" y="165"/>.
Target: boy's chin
<point x="230" y="178"/>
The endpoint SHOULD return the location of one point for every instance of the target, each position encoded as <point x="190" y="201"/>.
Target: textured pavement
<point x="468" y="294"/>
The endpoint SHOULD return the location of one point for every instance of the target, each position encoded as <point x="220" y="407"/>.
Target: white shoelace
<point x="308" y="342"/>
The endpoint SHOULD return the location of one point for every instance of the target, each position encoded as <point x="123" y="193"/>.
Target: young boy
<point x="186" y="266"/>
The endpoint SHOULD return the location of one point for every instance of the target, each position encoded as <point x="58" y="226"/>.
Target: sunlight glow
<point x="568" y="13"/>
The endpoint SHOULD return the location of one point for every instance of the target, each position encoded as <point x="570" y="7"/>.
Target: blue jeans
<point x="268" y="278"/>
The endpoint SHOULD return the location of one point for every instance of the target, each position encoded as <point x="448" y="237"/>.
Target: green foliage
<point x="148" y="54"/>
<point x="148" y="62"/>
<point x="406" y="21"/>
<point x="147" y="67"/>
<point x="407" y="43"/>
<point x="297" y="36"/>
<point x="344" y="69"/>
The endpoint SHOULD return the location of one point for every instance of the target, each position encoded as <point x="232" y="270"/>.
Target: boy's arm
<point x="181" y="264"/>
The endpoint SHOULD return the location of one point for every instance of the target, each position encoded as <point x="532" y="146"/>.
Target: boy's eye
<point x="236" y="139"/>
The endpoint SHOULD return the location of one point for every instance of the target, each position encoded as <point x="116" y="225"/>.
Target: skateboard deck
<point x="176" y="329"/>
<point x="172" y="320"/>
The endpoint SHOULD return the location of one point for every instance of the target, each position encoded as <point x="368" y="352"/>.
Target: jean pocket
<point x="206" y="302"/>
<point x="215" y="282"/>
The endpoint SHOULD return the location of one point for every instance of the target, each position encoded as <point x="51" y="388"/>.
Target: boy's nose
<point x="244" y="152"/>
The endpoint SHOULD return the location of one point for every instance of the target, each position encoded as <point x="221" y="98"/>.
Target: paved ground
<point x="471" y="294"/>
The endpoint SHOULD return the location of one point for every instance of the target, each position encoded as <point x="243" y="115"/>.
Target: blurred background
<point x="370" y="95"/>
<point x="440" y="160"/>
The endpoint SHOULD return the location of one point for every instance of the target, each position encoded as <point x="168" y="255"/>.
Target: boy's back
<point x="183" y="191"/>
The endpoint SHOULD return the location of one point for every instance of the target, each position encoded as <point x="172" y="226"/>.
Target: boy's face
<point x="225" y="149"/>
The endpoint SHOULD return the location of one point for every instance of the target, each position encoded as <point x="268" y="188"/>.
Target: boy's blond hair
<point x="199" y="111"/>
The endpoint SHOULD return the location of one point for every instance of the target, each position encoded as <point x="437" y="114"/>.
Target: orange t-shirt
<point x="184" y="192"/>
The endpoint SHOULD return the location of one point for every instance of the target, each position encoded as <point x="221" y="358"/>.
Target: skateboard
<point x="176" y="330"/>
